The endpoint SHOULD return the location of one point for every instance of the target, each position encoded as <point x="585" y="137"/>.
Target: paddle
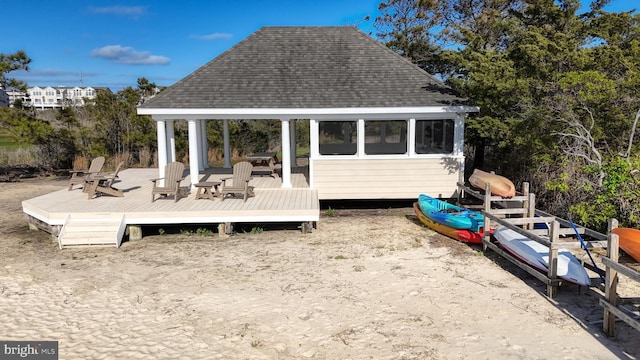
<point x="584" y="246"/>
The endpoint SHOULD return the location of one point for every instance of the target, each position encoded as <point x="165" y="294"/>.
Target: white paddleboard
<point x="537" y="255"/>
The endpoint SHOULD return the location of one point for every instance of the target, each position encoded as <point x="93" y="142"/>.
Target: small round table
<point x="207" y="190"/>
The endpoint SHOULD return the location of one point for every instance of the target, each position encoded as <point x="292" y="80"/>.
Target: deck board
<point x="270" y="203"/>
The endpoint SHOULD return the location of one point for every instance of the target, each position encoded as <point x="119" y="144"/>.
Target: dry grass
<point x="80" y="162"/>
<point x="145" y="157"/>
<point x="18" y="156"/>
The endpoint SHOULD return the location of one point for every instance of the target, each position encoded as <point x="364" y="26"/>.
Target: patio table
<point x="207" y="190"/>
<point x="264" y="162"/>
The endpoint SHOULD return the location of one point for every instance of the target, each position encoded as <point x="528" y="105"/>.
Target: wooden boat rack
<point x="519" y="214"/>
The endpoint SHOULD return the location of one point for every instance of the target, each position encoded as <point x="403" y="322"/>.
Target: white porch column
<point x="292" y="140"/>
<point x="162" y="146"/>
<point x="193" y="152"/>
<point x="314" y="148"/>
<point x="171" y="150"/>
<point x="227" y="148"/>
<point x="286" y="154"/>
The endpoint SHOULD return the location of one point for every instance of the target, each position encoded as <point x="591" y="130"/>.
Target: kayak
<point x="537" y="255"/>
<point x="450" y="215"/>
<point x="458" y="234"/>
<point x="629" y="241"/>
<point x="500" y="185"/>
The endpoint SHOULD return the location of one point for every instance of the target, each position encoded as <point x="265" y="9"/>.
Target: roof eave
<point x="299" y="113"/>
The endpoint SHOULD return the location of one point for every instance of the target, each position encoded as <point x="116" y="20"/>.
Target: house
<point x="381" y="128"/>
<point x="15" y="95"/>
<point x="49" y="97"/>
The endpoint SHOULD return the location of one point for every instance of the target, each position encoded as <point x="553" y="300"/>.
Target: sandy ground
<point x="360" y="287"/>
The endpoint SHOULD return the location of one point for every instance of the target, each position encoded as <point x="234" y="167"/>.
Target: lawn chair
<point x="172" y="177"/>
<point x="240" y="181"/>
<point x="80" y="176"/>
<point x="103" y="184"/>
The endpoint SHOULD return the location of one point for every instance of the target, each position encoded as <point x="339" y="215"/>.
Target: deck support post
<point x="611" y="280"/>
<point x="306" y="227"/>
<point x="135" y="232"/>
<point x="225" y="229"/>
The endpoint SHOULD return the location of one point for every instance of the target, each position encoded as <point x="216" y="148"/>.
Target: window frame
<point x="370" y="147"/>
<point x="353" y="128"/>
<point x="434" y="129"/>
<point x="458" y="137"/>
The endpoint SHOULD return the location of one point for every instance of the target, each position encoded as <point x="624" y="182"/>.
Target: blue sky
<point x="112" y="44"/>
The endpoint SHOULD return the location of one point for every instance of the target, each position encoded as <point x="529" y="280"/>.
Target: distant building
<point x="15" y="95"/>
<point x="4" y="98"/>
<point x="49" y="97"/>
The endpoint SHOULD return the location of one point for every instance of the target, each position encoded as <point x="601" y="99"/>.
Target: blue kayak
<point x="450" y="215"/>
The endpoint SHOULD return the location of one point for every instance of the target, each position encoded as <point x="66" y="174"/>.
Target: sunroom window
<point x="338" y="137"/>
<point x="434" y="136"/>
<point x="385" y="137"/>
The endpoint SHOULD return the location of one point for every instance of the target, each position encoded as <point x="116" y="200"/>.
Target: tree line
<point x="109" y="125"/>
<point x="557" y="85"/>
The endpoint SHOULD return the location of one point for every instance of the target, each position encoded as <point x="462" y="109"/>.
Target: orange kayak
<point x="629" y="241"/>
<point x="500" y="185"/>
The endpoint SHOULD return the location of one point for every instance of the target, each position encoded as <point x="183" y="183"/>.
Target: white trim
<point x="360" y="139"/>
<point x="162" y="147"/>
<point x="171" y="143"/>
<point x="131" y="219"/>
<point x="314" y="151"/>
<point x="193" y="152"/>
<point x="389" y="157"/>
<point x="286" y="153"/>
<point x="316" y="113"/>
<point x="219" y="219"/>
<point x="411" y="140"/>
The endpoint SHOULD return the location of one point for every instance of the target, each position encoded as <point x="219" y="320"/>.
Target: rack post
<point x="460" y="187"/>
<point x="487" y="221"/>
<point x="552" y="273"/>
<point x="611" y="280"/>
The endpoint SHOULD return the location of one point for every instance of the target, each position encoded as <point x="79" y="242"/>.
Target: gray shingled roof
<point x="306" y="67"/>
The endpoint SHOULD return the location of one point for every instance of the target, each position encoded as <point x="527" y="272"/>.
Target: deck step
<point x="92" y="229"/>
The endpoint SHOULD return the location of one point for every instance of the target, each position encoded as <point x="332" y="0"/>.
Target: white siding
<point x="337" y="179"/>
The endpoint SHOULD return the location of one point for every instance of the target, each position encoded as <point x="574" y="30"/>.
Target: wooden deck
<point x="270" y="203"/>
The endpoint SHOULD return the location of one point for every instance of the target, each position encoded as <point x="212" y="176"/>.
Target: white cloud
<point x="214" y="36"/>
<point x="121" y="10"/>
<point x="127" y="55"/>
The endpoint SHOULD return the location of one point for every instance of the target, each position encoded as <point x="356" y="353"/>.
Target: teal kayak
<point x="450" y="215"/>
